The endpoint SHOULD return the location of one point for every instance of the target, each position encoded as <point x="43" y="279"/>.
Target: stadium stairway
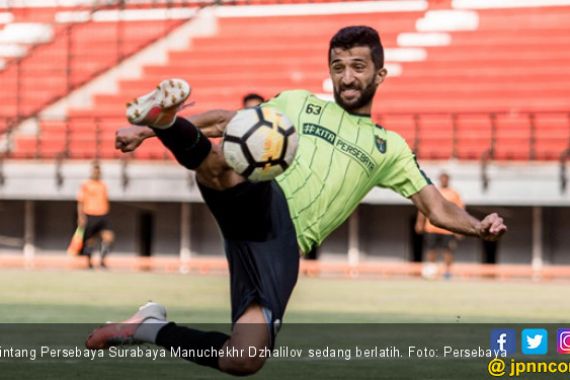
<point x="480" y="86"/>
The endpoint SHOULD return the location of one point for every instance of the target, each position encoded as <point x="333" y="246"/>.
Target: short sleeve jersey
<point x="340" y="158"/>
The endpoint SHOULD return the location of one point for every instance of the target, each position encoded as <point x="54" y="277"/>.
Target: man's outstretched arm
<point x="447" y="215"/>
<point x="211" y="124"/>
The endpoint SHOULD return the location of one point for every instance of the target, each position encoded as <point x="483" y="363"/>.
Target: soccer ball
<point x="259" y="143"/>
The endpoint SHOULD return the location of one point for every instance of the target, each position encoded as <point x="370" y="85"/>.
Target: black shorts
<point x="261" y="247"/>
<point x="440" y="242"/>
<point x="95" y="224"/>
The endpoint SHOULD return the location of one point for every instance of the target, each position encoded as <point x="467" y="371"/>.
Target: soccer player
<point x="341" y="156"/>
<point x="438" y="239"/>
<point x="92" y="215"/>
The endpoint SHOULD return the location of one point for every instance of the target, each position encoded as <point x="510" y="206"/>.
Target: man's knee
<point x="107" y="236"/>
<point x="249" y="331"/>
<point x="242" y="365"/>
<point x="215" y="173"/>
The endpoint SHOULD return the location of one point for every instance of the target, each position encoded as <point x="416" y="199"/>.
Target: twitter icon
<point x="534" y="341"/>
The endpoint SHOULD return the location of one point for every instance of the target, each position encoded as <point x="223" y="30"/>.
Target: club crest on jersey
<point x="381" y="144"/>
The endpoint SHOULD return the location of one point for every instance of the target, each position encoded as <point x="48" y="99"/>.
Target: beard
<point x="366" y="96"/>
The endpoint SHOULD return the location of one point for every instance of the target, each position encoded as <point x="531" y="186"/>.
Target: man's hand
<point x="491" y="228"/>
<point x="127" y="139"/>
<point x="447" y="215"/>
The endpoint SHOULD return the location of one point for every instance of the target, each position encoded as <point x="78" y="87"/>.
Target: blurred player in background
<point x="252" y="100"/>
<point x="342" y="155"/>
<point x="437" y="239"/>
<point x="92" y="214"/>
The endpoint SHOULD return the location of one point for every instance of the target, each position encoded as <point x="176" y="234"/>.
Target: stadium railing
<point x="525" y="136"/>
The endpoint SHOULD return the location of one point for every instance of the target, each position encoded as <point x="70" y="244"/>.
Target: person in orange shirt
<point x="437" y="239"/>
<point x="92" y="211"/>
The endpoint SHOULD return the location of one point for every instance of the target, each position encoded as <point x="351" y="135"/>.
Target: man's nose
<point x="347" y="77"/>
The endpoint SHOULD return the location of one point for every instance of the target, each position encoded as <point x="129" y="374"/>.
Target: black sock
<point x="186" y="142"/>
<point x="173" y="336"/>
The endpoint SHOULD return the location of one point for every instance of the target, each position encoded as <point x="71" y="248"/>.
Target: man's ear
<point x="381" y="75"/>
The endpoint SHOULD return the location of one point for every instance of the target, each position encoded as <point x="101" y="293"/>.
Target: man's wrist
<point x="146" y="132"/>
<point x="477" y="229"/>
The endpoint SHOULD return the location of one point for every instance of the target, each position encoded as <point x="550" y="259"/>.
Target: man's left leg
<point x="149" y="325"/>
<point x="263" y="274"/>
<point x="249" y="331"/>
<point x="107" y="239"/>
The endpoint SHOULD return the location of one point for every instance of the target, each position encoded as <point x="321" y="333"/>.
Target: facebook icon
<point x="503" y="341"/>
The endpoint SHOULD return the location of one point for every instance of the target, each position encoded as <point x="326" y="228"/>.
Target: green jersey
<point x="340" y="158"/>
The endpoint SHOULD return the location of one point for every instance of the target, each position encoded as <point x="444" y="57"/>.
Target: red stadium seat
<point x="515" y="64"/>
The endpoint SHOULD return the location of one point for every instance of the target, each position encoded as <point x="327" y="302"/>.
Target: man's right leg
<point x="188" y="144"/>
<point x="194" y="151"/>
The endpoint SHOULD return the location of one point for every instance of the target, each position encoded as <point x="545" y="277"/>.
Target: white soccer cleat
<point x="158" y="108"/>
<point x="146" y="311"/>
<point x="123" y="333"/>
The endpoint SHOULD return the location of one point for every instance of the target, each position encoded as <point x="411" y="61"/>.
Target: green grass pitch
<point x="99" y="296"/>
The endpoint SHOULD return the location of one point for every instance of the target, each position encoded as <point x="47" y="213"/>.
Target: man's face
<point x="354" y="78"/>
<point x="444" y="181"/>
<point x="96" y="173"/>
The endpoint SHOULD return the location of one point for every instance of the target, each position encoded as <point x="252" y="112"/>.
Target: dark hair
<point x="252" y="96"/>
<point x="359" y="35"/>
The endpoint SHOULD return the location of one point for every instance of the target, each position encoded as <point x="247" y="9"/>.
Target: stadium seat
<point x="36" y="48"/>
<point x="453" y="86"/>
